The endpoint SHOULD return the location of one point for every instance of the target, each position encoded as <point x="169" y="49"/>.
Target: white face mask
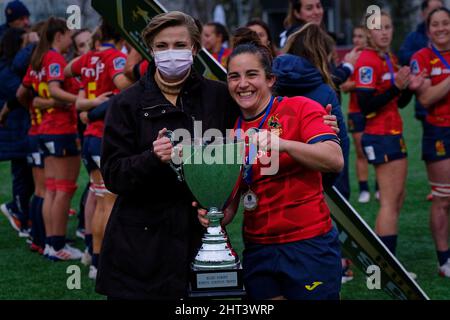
<point x="174" y="64"/>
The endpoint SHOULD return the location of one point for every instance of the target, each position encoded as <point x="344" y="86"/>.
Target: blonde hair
<point x="172" y="19"/>
<point x="370" y="43"/>
<point x="315" y="45"/>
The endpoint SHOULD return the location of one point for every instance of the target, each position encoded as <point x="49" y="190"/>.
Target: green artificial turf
<point x="26" y="275"/>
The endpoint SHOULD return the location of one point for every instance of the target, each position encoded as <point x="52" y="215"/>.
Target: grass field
<point x="26" y="275"/>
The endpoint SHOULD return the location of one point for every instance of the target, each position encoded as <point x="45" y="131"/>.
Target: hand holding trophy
<point x="211" y="170"/>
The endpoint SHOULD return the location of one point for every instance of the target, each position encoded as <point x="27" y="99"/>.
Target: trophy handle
<point x="177" y="168"/>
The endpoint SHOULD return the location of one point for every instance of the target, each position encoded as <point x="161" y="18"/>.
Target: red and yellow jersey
<point x="372" y="73"/>
<point x="353" y="106"/>
<point x="143" y="66"/>
<point x="59" y="119"/>
<point x="426" y="59"/>
<point x="291" y="204"/>
<point x="36" y="120"/>
<point x="97" y="70"/>
<point x="222" y="56"/>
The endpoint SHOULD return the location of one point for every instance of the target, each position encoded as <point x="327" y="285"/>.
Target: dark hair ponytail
<point x="51" y="27"/>
<point x="246" y="40"/>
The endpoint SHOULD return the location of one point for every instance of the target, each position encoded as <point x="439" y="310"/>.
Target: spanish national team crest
<point x="366" y="75"/>
<point x="440" y="148"/>
<point x="275" y="125"/>
<point x="55" y="70"/>
<point x="119" y="63"/>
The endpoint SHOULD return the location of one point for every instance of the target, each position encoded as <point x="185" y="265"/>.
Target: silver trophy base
<point x="216" y="269"/>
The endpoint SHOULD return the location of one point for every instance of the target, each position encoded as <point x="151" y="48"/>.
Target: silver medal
<point x="250" y="200"/>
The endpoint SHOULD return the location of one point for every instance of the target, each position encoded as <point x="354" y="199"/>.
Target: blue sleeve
<point x="22" y="60"/>
<point x="99" y="112"/>
<point x="408" y="48"/>
<point x="340" y="74"/>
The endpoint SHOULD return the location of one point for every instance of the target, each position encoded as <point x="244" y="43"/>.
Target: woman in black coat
<point x="153" y="232"/>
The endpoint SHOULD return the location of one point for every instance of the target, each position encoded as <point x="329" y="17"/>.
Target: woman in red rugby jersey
<point x="58" y="134"/>
<point x="434" y="95"/>
<point x="289" y="238"/>
<point x="382" y="88"/>
<point x="356" y="123"/>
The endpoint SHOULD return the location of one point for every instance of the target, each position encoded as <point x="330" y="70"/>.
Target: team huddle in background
<point x="57" y="85"/>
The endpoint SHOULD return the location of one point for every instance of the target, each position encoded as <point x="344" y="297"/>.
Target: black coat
<point x="153" y="233"/>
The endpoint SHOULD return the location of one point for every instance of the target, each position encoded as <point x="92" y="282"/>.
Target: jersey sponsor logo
<point x="93" y="72"/>
<point x="366" y="75"/>
<point x="39" y="75"/>
<point x="415" y="69"/>
<point x="119" y="63"/>
<point x="436" y="72"/>
<point x="94" y="60"/>
<point x="55" y="70"/>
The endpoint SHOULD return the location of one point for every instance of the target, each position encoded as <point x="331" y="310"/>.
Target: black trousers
<point x="22" y="189"/>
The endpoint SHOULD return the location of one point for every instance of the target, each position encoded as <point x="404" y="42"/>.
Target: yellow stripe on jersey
<point x="321" y="135"/>
<point x="435" y="61"/>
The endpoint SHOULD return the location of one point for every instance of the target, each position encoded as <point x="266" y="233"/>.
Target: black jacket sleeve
<point x="405" y="98"/>
<point x="125" y="169"/>
<point x="340" y="74"/>
<point x="99" y="112"/>
<point x="369" y="102"/>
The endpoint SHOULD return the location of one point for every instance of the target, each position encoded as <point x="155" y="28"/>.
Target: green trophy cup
<point x="211" y="171"/>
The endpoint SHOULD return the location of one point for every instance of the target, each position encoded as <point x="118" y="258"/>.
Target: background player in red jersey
<point x="381" y="89"/>
<point x="58" y="132"/>
<point x="356" y="124"/>
<point x="435" y="96"/>
<point x="214" y="35"/>
<point x="290" y="242"/>
<point x="82" y="42"/>
<point x="101" y="73"/>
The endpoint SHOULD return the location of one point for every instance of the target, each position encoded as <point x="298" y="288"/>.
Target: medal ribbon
<point x="220" y="55"/>
<point x="252" y="147"/>
<point x="108" y="45"/>
<point x="391" y="68"/>
<point x="439" y="55"/>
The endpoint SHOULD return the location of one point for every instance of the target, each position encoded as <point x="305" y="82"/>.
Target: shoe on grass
<point x="66" y="253"/>
<point x="444" y="270"/>
<point x="11" y="216"/>
<point x="364" y="197"/>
